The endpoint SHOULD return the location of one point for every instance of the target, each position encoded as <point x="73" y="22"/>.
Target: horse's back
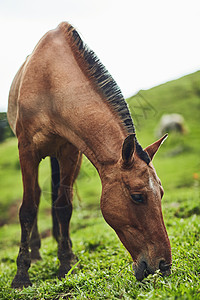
<point x="31" y="88"/>
<point x="20" y="88"/>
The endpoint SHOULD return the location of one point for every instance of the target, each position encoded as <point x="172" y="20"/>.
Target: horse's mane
<point x="103" y="82"/>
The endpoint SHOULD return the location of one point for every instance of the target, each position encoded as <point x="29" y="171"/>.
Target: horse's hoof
<point x="21" y="281"/>
<point x="63" y="270"/>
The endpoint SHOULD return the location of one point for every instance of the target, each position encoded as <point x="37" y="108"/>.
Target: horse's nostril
<point x="140" y="270"/>
<point x="164" y="267"/>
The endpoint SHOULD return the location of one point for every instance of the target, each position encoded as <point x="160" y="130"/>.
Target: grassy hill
<point x="104" y="269"/>
<point x="178" y="96"/>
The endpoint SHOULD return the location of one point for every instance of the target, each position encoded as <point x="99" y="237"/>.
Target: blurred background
<point x="151" y="48"/>
<point x="142" y="43"/>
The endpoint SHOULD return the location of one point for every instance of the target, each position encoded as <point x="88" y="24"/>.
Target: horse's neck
<point x="88" y="122"/>
<point x="76" y="110"/>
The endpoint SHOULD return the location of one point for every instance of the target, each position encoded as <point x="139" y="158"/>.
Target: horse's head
<point x="131" y="205"/>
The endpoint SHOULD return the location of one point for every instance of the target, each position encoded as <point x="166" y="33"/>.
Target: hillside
<point x="178" y="96"/>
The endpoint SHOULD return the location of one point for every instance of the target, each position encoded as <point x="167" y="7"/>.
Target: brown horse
<point x="62" y="103"/>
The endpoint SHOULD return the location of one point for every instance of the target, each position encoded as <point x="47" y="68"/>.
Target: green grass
<point x="104" y="268"/>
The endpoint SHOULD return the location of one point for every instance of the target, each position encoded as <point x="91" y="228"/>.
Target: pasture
<point x="104" y="268"/>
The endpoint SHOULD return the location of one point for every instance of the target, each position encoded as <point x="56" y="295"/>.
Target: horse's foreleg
<point x="27" y="215"/>
<point x="64" y="212"/>
<point x="35" y="242"/>
<point x="68" y="161"/>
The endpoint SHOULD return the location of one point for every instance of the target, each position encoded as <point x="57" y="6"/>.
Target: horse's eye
<point x="138" y="198"/>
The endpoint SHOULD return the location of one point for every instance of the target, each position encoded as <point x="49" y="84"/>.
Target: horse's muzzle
<point x="142" y="270"/>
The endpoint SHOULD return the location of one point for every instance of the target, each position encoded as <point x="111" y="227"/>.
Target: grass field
<point x="104" y="268"/>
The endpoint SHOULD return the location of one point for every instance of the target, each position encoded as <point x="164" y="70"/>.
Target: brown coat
<point x="62" y="103"/>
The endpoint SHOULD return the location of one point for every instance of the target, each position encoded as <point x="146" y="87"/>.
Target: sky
<point x="142" y="43"/>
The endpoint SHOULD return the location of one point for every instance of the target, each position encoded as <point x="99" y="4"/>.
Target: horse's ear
<point x="153" y="148"/>
<point x="128" y="149"/>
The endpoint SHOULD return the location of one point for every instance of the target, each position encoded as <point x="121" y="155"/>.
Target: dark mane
<point x="105" y="84"/>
